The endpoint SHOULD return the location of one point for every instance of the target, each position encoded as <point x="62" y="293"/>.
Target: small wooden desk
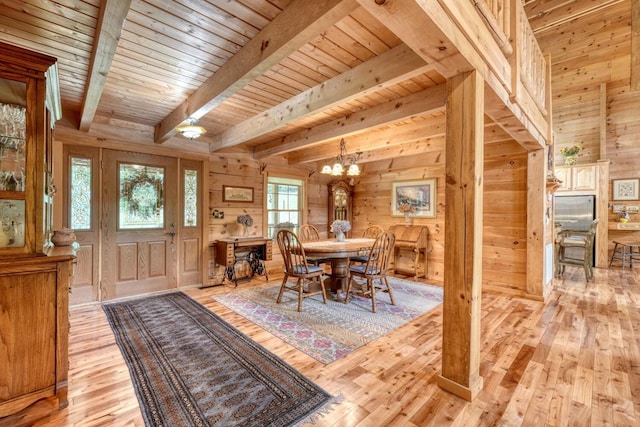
<point x="252" y="250"/>
<point x="339" y="253"/>
<point x="413" y="238"/>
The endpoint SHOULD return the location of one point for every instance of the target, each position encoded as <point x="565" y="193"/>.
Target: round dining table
<point x="339" y="253"/>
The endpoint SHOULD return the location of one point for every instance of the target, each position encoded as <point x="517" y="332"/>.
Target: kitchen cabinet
<point x="34" y="275"/>
<point x="577" y="178"/>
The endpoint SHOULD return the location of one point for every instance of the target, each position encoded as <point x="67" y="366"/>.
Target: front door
<point x="139" y="224"/>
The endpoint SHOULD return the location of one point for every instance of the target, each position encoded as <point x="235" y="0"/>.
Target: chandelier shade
<point x="343" y="163"/>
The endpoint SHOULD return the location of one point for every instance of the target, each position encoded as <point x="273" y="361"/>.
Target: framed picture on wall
<point x="418" y="196"/>
<point x="237" y="194"/>
<point x="625" y="189"/>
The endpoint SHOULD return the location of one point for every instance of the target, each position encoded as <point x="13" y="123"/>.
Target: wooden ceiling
<point x="280" y="77"/>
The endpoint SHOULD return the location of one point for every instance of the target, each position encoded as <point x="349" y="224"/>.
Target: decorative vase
<point x="406" y="219"/>
<point x="63" y="237"/>
<point x="570" y="160"/>
<point x="340" y="236"/>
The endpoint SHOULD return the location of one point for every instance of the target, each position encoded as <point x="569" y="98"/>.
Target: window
<point x="284" y="204"/>
<point x="80" y="193"/>
<point x="190" y="198"/>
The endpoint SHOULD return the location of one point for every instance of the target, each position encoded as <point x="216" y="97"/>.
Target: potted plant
<point x="570" y="154"/>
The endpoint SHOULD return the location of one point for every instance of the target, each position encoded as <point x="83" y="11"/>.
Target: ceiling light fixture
<point x="189" y="129"/>
<point x="344" y="163"/>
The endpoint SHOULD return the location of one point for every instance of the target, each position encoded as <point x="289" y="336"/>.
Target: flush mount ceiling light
<point x="189" y="129"/>
<point x="344" y="163"/>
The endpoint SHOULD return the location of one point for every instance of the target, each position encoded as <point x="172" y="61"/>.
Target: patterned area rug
<point x="328" y="332"/>
<point x="191" y="368"/>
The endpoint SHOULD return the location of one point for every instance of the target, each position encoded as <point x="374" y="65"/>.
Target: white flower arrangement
<point x="340" y="226"/>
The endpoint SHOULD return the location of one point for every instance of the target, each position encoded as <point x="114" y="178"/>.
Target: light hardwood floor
<point x="574" y="361"/>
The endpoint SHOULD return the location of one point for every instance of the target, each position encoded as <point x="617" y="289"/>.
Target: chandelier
<point x="344" y="162"/>
<point x="190" y="130"/>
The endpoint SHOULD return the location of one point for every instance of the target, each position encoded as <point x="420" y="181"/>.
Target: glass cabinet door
<point x="13" y="152"/>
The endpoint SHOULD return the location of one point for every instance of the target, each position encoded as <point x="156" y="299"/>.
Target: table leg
<point x="339" y="274"/>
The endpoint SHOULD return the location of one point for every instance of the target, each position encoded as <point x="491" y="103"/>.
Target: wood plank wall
<point x="505" y="192"/>
<point x="595" y="71"/>
<point x="372" y="198"/>
<point x="505" y="218"/>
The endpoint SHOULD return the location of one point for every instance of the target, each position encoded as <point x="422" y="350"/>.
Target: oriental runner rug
<point x="191" y="368"/>
<point x="330" y="331"/>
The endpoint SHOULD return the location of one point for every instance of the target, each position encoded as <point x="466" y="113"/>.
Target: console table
<point x="251" y="250"/>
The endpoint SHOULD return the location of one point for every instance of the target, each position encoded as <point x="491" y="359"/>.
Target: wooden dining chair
<point x="296" y="265"/>
<point x="309" y="233"/>
<point x="375" y="269"/>
<point x="371" y="232"/>
<point x="575" y="248"/>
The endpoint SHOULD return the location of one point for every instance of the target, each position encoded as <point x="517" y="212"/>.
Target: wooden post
<point x="635" y="45"/>
<point x="536" y="193"/>
<point x="603" y="122"/>
<point x="463" y="236"/>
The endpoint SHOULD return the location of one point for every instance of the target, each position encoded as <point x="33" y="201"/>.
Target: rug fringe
<point x="326" y="408"/>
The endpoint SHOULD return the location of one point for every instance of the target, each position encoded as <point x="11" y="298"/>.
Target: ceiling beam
<point x="291" y="29"/>
<point x="419" y="103"/>
<point x="394" y="66"/>
<point x="378" y="139"/>
<point x="418" y="22"/>
<point x="409" y="21"/>
<point x="113" y="14"/>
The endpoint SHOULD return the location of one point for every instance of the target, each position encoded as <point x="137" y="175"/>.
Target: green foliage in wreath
<point x="134" y="183"/>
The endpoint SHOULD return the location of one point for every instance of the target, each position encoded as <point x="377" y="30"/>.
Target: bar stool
<point x="627" y="252"/>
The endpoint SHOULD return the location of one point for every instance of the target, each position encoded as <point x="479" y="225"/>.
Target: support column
<point x="463" y="236"/>
<point x="537" y="263"/>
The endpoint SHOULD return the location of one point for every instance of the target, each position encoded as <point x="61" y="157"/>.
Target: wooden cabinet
<point x="340" y="202"/>
<point x="34" y="327"/>
<point x="34" y="276"/>
<point x="577" y="178"/>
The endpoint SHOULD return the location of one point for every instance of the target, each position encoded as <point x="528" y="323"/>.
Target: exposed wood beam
<point x="512" y="119"/>
<point x="392" y="67"/>
<point x="380" y="138"/>
<point x="426" y="101"/>
<point x="409" y="21"/>
<point x="433" y="147"/>
<point x="112" y="16"/>
<point x="397" y="141"/>
<point x="296" y="25"/>
<point x="418" y="23"/>
<point x="635" y="45"/>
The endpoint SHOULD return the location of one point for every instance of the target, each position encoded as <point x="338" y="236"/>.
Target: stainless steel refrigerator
<point x="575" y="213"/>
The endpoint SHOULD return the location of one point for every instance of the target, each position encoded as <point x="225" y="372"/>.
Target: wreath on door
<point x="143" y="193"/>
